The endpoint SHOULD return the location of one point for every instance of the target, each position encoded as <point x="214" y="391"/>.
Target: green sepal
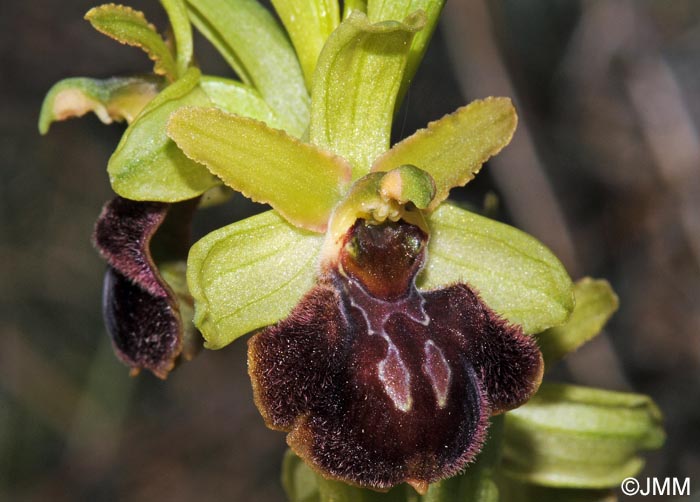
<point x="383" y="10"/>
<point x="248" y="275"/>
<point x="309" y="23"/>
<point x="112" y="99"/>
<point x="182" y="32"/>
<point x="357" y="78"/>
<point x="595" y="304"/>
<point x="577" y="437"/>
<point x="516" y="275"/>
<point x="300" y="181"/>
<point x="130" y="27"/>
<point x="234" y="97"/>
<point x="147" y="165"/>
<point x="454" y="148"/>
<point x="253" y="43"/>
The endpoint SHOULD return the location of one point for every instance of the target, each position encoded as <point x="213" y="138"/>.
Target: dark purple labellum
<point x="379" y="383"/>
<point x="140" y="309"/>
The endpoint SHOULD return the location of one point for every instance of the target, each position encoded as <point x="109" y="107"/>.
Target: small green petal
<point x="577" y="437"/>
<point x="130" y="27"/>
<point x="234" y="97"/>
<point x="267" y="165"/>
<point x="515" y="274"/>
<point x="595" y="304"/>
<point x="253" y="43"/>
<point x="248" y="275"/>
<point x="110" y="99"/>
<point x="357" y="78"/>
<point x="383" y="10"/>
<point x="147" y="165"/>
<point x="309" y="23"/>
<point x="182" y="31"/>
<point x="454" y="148"/>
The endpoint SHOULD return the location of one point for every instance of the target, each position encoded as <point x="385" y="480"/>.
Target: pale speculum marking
<point x="438" y="371"/>
<point x="392" y="371"/>
<point x="395" y="377"/>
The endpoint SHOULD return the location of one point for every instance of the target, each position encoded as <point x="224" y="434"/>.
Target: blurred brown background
<point x="605" y="169"/>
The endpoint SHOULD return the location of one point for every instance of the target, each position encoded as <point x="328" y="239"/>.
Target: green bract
<point x="255" y="46"/>
<point x="595" y="303"/>
<point x="568" y="436"/>
<point x="130" y="27"/>
<point x="112" y="99"/>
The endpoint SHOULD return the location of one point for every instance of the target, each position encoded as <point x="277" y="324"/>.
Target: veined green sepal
<point x="147" y="165"/>
<point x="516" y="275"/>
<point x="248" y="275"/>
<point x="357" y="78"/>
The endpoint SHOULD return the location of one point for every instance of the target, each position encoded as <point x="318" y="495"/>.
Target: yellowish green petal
<point x="453" y="149"/>
<point x="357" y="79"/>
<point x="595" y="304"/>
<point x="248" y="275"/>
<point x="130" y="27"/>
<point x="516" y="275"/>
<point x="300" y="181"/>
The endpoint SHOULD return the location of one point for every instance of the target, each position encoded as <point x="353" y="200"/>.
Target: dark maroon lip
<point x="140" y="309"/>
<point x="379" y="383"/>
